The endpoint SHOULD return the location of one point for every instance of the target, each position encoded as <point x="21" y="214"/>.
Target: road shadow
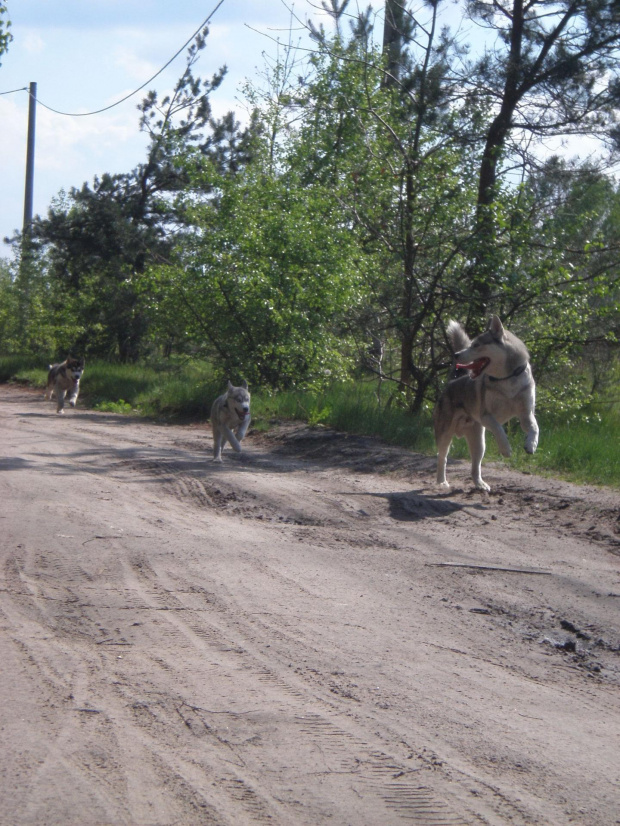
<point x="416" y="505"/>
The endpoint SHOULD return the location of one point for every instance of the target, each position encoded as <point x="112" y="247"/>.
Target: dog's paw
<point x="482" y="485"/>
<point x="443" y="485"/>
<point x="531" y="445"/>
<point x="217" y="459"/>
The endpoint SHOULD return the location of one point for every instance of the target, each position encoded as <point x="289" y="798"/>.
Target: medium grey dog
<point x="230" y="419"/>
<point x="498" y="386"/>
<point x="63" y="381"/>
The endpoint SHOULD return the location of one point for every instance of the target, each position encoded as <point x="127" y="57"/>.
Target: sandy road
<point x="296" y="637"/>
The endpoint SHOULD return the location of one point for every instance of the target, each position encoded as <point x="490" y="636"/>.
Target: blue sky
<point x="86" y="54"/>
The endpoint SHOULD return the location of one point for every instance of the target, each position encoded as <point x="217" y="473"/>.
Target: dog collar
<point x="521" y="369"/>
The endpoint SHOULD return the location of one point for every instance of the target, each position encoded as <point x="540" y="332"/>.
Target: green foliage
<point x="121" y="407"/>
<point x="113" y="382"/>
<point x="23" y="368"/>
<point x="96" y="242"/>
<point x="350" y="212"/>
<point x="5" y="26"/>
<point x="179" y="389"/>
<point x="28" y="322"/>
<point x="266" y="282"/>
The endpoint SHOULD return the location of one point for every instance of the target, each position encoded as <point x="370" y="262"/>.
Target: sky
<point x="87" y="54"/>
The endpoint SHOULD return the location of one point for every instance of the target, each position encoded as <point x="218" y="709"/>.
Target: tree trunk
<point x="486" y="241"/>
<point x="393" y="29"/>
<point x="406" y="348"/>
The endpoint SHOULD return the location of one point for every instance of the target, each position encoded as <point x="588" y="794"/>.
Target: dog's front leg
<point x="72" y="399"/>
<point x="529" y="426"/>
<point x="234" y="443"/>
<point x="243" y="428"/>
<point x="498" y="431"/>
<point x="60" y="399"/>
<point x="476" y="443"/>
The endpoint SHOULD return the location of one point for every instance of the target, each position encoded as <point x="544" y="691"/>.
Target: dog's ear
<point x="244" y="384"/>
<point x="230" y="384"/>
<point x="496" y="327"/>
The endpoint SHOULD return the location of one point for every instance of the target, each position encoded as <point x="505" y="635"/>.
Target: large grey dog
<point x="63" y="381"/>
<point x="230" y="419"/>
<point x="498" y="386"/>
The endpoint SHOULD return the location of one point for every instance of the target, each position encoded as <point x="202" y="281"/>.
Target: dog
<point x="63" y="381"/>
<point x="497" y="386"/>
<point x="230" y="419"/>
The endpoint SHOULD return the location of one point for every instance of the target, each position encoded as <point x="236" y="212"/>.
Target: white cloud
<point x="132" y="65"/>
<point x="33" y="43"/>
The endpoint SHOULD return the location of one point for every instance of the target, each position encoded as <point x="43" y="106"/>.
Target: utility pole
<point x="25" y="269"/>
<point x="28" y="195"/>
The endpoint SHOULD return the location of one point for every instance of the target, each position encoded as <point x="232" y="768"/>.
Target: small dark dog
<point x="63" y="380"/>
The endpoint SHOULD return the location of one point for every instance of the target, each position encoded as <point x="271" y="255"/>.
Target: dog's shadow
<point x="416" y="505"/>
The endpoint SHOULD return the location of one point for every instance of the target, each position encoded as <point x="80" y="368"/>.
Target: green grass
<point x="582" y="447"/>
<point x="184" y="391"/>
<point x="27" y="369"/>
<point x="352" y="408"/>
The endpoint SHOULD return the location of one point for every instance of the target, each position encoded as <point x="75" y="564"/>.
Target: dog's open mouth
<point x="242" y="413"/>
<point x="475" y="367"/>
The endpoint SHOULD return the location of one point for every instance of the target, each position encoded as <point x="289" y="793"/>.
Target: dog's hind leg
<point x="476" y="442"/>
<point x="444" y="440"/>
<point x="218" y="444"/>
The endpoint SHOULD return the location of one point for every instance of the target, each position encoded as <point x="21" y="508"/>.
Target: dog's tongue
<point x="475" y="366"/>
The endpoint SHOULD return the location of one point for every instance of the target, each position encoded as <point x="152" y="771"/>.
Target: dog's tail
<point x="458" y="338"/>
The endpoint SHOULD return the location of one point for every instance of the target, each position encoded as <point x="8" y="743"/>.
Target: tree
<point x="396" y="32"/>
<point x="401" y="158"/>
<point x="566" y="277"/>
<point x="5" y="26"/>
<point x="100" y="239"/>
<point x="554" y="71"/>
<point x="265" y="281"/>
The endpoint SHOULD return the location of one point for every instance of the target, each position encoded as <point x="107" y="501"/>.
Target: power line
<point x="12" y="91"/>
<point x="131" y="94"/>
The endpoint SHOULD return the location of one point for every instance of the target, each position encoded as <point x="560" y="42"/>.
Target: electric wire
<point x="12" y="91"/>
<point x="131" y="94"/>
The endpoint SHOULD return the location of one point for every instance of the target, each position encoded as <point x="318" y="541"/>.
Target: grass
<point x="352" y="408"/>
<point x="582" y="447"/>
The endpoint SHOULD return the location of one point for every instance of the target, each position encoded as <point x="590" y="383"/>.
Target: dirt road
<point x="308" y="635"/>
